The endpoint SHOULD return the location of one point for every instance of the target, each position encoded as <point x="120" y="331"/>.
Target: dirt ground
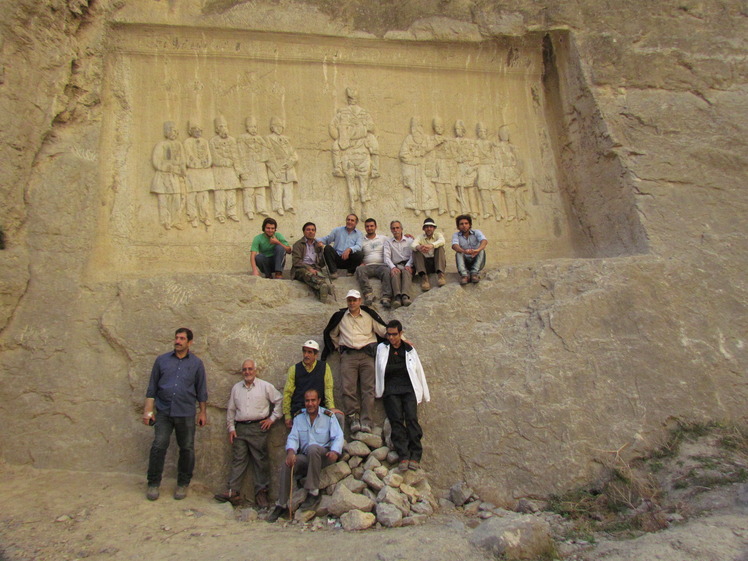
<point x="65" y="515"/>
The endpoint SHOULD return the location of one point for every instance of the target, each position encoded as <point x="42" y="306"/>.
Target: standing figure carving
<point x="512" y="181"/>
<point x="253" y="174"/>
<point x="225" y="156"/>
<point x="281" y="166"/>
<point x="199" y="175"/>
<point x="413" y="152"/>
<point x="355" y="152"/>
<point x="169" y="182"/>
<point x="444" y="175"/>
<point x="467" y="165"/>
<point x="487" y="179"/>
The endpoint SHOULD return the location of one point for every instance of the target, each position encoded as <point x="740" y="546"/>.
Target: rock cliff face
<point x="617" y="308"/>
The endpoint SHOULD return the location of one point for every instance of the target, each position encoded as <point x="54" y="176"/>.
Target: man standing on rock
<point x="469" y="246"/>
<point x="177" y="381"/>
<point x="354" y="332"/>
<point x="315" y="440"/>
<point x="308" y="374"/>
<point x="254" y="405"/>
<point x="401" y="383"/>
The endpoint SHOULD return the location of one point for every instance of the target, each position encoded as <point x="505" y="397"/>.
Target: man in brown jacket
<point x="307" y="262"/>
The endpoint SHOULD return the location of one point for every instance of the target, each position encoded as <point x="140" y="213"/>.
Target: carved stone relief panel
<point x="322" y="127"/>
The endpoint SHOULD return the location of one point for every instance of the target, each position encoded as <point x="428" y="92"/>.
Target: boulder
<point x="393" y="479"/>
<point x="389" y="515"/>
<point x="344" y="500"/>
<point x="380" y="453"/>
<point x="357" y="448"/>
<point x="371" y="462"/>
<point x="371" y="440"/>
<point x="354" y="485"/>
<point x="514" y="537"/>
<point x="371" y="479"/>
<point x="333" y="473"/>
<point x="357" y="520"/>
<point x="459" y="493"/>
<point x="394" y="497"/>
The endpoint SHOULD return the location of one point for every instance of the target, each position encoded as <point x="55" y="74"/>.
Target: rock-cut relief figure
<point x="199" y="175"/>
<point x="512" y="180"/>
<point x="487" y="179"/>
<point x="467" y="165"/>
<point x="355" y="150"/>
<point x="253" y="156"/>
<point x="444" y="170"/>
<point x="169" y="182"/>
<point x="281" y="166"/>
<point x="225" y="156"/>
<point x="416" y="172"/>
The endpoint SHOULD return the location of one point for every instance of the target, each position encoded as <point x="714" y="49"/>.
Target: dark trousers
<point x="184" y="428"/>
<point x="250" y="442"/>
<point x="335" y="262"/>
<point x="402" y="411"/>
<point x="274" y="264"/>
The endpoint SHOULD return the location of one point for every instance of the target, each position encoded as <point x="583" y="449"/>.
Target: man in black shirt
<point x="401" y="383"/>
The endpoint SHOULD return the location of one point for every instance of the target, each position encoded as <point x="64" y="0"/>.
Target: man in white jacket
<point x="401" y="383"/>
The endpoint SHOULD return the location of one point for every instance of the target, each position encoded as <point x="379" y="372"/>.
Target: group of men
<point x="393" y="260"/>
<point x="373" y="356"/>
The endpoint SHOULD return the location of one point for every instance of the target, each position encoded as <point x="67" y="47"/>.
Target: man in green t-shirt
<point x="268" y="251"/>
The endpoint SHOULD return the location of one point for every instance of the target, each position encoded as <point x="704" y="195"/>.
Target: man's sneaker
<point x="406" y="300"/>
<point x="355" y="424"/>
<point x="368" y="299"/>
<point x="414" y="465"/>
<point x="310" y="503"/>
<point x="396" y="303"/>
<point x="441" y="280"/>
<point x="180" y="492"/>
<point x="261" y="498"/>
<point x="475" y="278"/>
<point x="386" y="302"/>
<point x="403" y="465"/>
<point x="227" y="497"/>
<point x="334" y="275"/>
<point x="365" y="428"/>
<point x="276" y="514"/>
<point x="425" y="284"/>
<point x="324" y="293"/>
<point x="464" y="280"/>
<point x="152" y="493"/>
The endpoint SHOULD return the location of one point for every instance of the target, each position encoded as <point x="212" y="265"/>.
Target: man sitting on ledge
<point x="469" y="246"/>
<point x="315" y="441"/>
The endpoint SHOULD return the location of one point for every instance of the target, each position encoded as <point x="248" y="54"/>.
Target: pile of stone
<point x="365" y="488"/>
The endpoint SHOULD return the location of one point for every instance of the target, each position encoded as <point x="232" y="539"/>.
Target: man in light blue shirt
<point x="343" y="247"/>
<point x="470" y="249"/>
<point x="315" y="441"/>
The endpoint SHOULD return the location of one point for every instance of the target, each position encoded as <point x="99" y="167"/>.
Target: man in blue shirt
<point x="177" y="382"/>
<point x="342" y="247"/>
<point x="470" y="249"/>
<point x="318" y="439"/>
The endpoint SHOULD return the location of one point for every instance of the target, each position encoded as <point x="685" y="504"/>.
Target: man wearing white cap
<point x="354" y="332"/>
<point x="308" y="374"/>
